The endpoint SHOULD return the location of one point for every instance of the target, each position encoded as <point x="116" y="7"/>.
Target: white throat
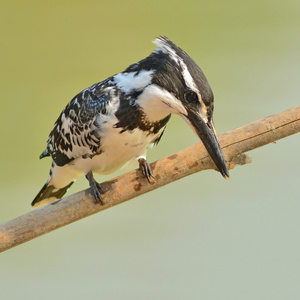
<point x="157" y="103"/>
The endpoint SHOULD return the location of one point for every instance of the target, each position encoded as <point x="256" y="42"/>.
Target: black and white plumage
<point x="115" y="121"/>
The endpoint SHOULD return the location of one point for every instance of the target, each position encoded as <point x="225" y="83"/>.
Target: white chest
<point x="117" y="149"/>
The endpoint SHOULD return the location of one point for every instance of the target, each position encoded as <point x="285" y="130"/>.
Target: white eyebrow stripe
<point x="162" y="46"/>
<point x="189" y="81"/>
<point x="188" y="78"/>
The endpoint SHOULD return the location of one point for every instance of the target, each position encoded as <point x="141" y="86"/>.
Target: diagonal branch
<point x="194" y="159"/>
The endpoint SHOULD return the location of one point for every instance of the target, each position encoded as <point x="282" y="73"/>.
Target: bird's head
<point x="169" y="81"/>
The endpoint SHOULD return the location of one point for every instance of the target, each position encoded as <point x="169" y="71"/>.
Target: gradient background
<point x="199" y="238"/>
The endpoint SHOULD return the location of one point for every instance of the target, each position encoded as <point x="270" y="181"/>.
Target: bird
<point x="115" y="121"/>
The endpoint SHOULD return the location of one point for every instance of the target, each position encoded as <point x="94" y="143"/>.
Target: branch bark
<point x="194" y="159"/>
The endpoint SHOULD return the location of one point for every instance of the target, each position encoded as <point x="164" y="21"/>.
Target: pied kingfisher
<point x="116" y="120"/>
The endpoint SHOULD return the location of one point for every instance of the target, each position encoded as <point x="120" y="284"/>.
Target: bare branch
<point x="194" y="159"/>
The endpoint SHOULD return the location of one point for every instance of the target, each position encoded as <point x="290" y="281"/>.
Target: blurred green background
<point x="199" y="238"/>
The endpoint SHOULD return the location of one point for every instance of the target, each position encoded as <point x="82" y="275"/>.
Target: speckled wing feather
<point x="76" y="131"/>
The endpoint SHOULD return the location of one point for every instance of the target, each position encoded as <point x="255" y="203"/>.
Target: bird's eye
<point x="191" y="97"/>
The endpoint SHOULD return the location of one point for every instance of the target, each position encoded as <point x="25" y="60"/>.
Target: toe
<point x="146" y="169"/>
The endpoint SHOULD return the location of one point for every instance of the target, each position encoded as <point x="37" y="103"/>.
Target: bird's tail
<point x="49" y="193"/>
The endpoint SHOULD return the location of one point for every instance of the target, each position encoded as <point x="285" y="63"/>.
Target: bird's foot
<point x="95" y="187"/>
<point x="146" y="169"/>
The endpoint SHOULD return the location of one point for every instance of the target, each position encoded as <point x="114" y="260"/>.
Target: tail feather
<point x="49" y="193"/>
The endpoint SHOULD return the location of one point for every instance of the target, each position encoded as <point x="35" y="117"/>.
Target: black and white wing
<point x="76" y="131"/>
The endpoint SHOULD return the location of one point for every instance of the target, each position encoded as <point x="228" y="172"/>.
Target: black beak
<point x="206" y="133"/>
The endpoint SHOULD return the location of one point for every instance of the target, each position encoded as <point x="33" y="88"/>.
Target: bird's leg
<point x="145" y="167"/>
<point x="95" y="187"/>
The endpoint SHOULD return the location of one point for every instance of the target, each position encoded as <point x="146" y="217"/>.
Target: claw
<point x="146" y="169"/>
<point x="95" y="187"/>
